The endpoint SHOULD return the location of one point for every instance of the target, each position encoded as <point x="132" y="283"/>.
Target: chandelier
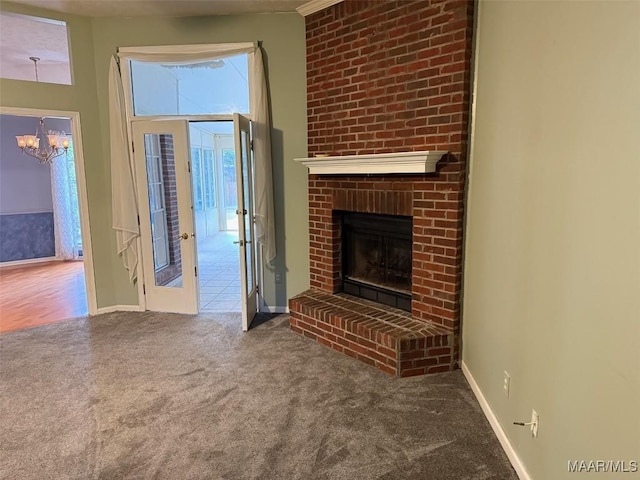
<point x="56" y="144"/>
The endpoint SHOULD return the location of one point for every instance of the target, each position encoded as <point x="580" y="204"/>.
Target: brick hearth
<point x="386" y="77"/>
<point x="384" y="337"/>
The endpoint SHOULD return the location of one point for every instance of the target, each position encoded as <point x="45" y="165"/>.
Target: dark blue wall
<point x="26" y="235"/>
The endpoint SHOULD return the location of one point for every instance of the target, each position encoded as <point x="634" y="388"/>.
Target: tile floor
<point x="219" y="273"/>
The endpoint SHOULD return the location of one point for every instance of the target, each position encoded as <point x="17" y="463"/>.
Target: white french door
<point x="169" y="247"/>
<point x="161" y="155"/>
<point x="245" y="212"/>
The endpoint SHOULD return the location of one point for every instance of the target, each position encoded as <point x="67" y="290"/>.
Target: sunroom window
<point x="215" y="87"/>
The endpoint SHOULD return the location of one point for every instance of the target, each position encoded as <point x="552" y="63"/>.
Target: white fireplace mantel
<point x="380" y="163"/>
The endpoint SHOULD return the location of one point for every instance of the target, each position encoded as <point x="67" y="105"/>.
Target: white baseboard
<point x="268" y="309"/>
<point x="29" y="261"/>
<point x="120" y="308"/>
<point x="495" y="424"/>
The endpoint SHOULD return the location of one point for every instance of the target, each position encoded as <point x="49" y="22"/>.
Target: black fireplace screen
<point x="376" y="258"/>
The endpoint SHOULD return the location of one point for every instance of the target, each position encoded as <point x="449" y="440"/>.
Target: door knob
<point x="184" y="236"/>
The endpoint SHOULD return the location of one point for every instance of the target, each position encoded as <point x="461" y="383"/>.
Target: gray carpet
<point x="144" y="395"/>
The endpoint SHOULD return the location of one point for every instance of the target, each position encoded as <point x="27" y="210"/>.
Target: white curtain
<point x="261" y="131"/>
<point x="124" y="188"/>
<point x="185" y="54"/>
<point x="66" y="217"/>
<point x="123" y="194"/>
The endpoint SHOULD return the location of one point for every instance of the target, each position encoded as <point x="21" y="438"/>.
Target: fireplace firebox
<point x="376" y="258"/>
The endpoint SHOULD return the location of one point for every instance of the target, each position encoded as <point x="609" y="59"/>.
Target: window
<point x="216" y="87"/>
<point x="42" y="38"/>
<point x="209" y="178"/>
<point x="157" y="207"/>
<point x="204" y="178"/>
<point x="229" y="176"/>
<point x="196" y="162"/>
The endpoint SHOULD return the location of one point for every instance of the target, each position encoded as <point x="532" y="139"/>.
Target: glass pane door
<point x="247" y="186"/>
<point x="245" y="212"/>
<point x="166" y="215"/>
<point x="230" y="189"/>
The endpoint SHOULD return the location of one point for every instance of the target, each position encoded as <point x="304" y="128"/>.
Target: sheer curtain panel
<point x="66" y="217"/>
<point x="123" y="194"/>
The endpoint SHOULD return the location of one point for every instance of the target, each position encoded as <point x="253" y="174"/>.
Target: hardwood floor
<point x="31" y="296"/>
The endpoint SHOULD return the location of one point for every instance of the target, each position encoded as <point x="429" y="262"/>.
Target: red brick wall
<point x="174" y="269"/>
<point x="389" y="76"/>
<point x="392" y="76"/>
<point x="437" y="235"/>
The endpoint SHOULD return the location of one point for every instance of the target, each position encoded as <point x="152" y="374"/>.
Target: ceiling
<point x="165" y="8"/>
<point x="22" y="37"/>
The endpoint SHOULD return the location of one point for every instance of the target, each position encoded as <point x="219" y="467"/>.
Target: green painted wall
<point x="94" y="40"/>
<point x="80" y="97"/>
<point x="552" y="270"/>
<point x="283" y="41"/>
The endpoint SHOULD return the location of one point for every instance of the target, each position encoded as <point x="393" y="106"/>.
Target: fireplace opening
<point x="376" y="258"/>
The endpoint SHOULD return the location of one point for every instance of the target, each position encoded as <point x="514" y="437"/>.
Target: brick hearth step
<point x="384" y="337"/>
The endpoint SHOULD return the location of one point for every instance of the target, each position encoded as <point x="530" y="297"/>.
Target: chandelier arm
<point x="43" y="157"/>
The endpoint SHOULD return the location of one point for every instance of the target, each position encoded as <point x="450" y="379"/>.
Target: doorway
<point x="187" y="177"/>
<point x="45" y="247"/>
<point x="215" y="202"/>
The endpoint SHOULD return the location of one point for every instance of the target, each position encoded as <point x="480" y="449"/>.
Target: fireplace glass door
<point x="376" y="262"/>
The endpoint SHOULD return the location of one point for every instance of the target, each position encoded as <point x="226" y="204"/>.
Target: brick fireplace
<point x="388" y="77"/>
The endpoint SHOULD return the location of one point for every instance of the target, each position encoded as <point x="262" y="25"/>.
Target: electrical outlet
<point x="278" y="278"/>
<point x="506" y="385"/>
<point x="535" y="421"/>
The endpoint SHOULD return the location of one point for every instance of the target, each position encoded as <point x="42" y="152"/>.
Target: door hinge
<point x="251" y="144"/>
<point x="189" y="166"/>
<point x="144" y="289"/>
<point x="138" y="220"/>
<point x="133" y="147"/>
<point x="196" y="270"/>
<point x="257" y="288"/>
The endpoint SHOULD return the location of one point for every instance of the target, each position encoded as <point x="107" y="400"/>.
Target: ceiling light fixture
<point x="35" y="61"/>
<point x="57" y="143"/>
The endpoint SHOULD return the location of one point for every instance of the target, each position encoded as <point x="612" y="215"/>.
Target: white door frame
<point x="83" y="203"/>
<point x="125" y="75"/>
